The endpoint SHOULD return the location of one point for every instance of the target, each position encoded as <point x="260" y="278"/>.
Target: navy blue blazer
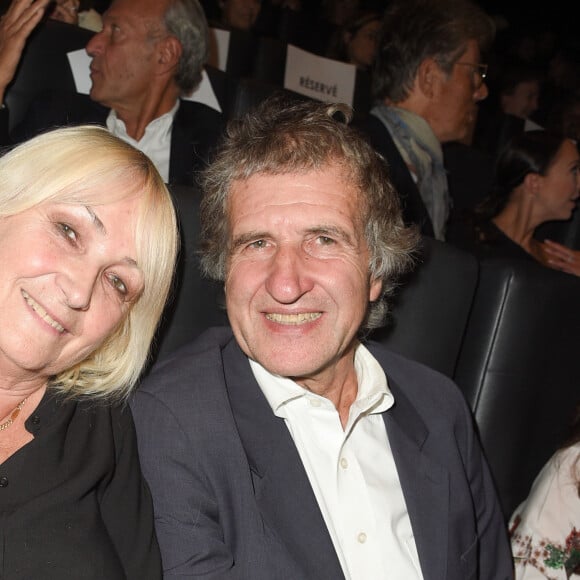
<point x="232" y="498"/>
<point x="196" y="128"/>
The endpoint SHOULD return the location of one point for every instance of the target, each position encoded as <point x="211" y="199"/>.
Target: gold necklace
<point x="13" y="415"/>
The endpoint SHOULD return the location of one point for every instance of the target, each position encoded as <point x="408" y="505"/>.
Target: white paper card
<point x="205" y="94"/>
<point x="318" y="77"/>
<point x="80" y="63"/>
<point x="219" y="46"/>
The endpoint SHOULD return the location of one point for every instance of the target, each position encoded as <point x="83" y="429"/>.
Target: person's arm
<point x="186" y="511"/>
<point x="126" y="507"/>
<point x="15" y="26"/>
<point x="544" y="528"/>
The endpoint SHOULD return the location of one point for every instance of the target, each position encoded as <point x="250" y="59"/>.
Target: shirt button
<point x="3" y="481"/>
<point x="361" y="538"/>
<point x="314" y="403"/>
<point x="344" y="462"/>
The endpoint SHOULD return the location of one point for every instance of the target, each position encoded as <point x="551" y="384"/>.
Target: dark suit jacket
<point x="232" y="498"/>
<point x="196" y="128"/>
<point x="414" y="210"/>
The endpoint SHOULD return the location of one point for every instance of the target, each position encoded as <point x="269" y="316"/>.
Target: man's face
<point x="297" y="281"/>
<point x="453" y="107"/>
<point x="124" y="52"/>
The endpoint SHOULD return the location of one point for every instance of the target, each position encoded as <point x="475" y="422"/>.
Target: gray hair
<point x="282" y="136"/>
<point x="185" y="19"/>
<point x="414" y="30"/>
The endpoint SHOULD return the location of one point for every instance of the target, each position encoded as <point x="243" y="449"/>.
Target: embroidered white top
<point x="352" y="471"/>
<point x="542" y="527"/>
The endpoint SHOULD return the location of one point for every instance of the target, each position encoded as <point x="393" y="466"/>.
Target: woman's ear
<point x="532" y="182"/>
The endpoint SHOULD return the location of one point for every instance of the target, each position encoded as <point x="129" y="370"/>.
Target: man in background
<point x="149" y="54"/>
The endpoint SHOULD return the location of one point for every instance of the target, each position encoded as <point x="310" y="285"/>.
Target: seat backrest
<point x="44" y="65"/>
<point x="430" y="310"/>
<point x="196" y="303"/>
<point x="519" y="368"/>
<point x="249" y="93"/>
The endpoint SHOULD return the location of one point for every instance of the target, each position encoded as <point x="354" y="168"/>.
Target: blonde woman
<point x="88" y="242"/>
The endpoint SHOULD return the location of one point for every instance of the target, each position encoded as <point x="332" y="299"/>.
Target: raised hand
<point x="15" y="26"/>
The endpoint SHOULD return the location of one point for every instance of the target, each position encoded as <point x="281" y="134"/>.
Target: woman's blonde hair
<point x="67" y="166"/>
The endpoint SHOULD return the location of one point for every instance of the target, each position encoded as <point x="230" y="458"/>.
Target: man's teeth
<point x="294" y="318"/>
<point x="41" y="312"/>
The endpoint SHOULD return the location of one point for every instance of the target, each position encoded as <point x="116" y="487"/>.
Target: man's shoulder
<point x="420" y="383"/>
<point x="191" y="112"/>
<point x="196" y="362"/>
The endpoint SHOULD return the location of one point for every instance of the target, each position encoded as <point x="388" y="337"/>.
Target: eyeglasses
<point x="478" y="72"/>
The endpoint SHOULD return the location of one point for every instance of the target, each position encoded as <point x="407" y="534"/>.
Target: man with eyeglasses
<point x="427" y="81"/>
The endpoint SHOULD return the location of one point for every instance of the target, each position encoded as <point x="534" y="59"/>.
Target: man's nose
<point x="288" y="276"/>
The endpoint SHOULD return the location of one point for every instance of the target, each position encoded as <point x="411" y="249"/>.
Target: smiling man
<point x="287" y="446"/>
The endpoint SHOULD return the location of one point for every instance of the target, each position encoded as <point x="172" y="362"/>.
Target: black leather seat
<point x="430" y="310"/>
<point x="196" y="303"/>
<point x="519" y="368"/>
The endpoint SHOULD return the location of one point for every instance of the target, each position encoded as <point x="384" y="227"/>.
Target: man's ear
<point x="170" y="50"/>
<point x="375" y="289"/>
<point x="427" y="75"/>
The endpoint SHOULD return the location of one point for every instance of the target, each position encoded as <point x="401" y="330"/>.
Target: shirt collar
<point x="373" y="396"/>
<point x="160" y="126"/>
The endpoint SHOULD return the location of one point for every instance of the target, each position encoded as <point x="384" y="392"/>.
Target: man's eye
<point x="325" y="241"/>
<point x="258" y="244"/>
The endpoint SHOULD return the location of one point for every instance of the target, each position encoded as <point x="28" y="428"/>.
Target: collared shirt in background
<point x="155" y="143"/>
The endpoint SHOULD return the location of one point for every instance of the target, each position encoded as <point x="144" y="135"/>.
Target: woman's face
<point x="559" y="188"/>
<point x="69" y="276"/>
<point x="363" y="44"/>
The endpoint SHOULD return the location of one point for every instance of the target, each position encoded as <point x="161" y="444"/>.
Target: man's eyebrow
<point x="332" y="231"/>
<point x="248" y="237"/>
<point x="95" y="219"/>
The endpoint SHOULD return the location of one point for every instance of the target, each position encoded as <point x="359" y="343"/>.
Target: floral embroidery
<point x="547" y="554"/>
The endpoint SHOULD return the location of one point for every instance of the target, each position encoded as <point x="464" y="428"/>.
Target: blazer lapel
<point x="283" y="492"/>
<point x="424" y="481"/>
<point x="182" y="153"/>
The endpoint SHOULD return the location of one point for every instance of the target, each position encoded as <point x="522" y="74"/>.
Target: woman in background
<point x="357" y="41"/>
<point x="88" y="243"/>
<point x="537" y="179"/>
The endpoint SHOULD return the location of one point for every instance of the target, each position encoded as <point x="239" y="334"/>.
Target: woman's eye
<point x="118" y="284"/>
<point x="68" y="232"/>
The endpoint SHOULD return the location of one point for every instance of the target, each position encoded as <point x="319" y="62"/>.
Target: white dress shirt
<point x="155" y="143"/>
<point x="352" y="471"/>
